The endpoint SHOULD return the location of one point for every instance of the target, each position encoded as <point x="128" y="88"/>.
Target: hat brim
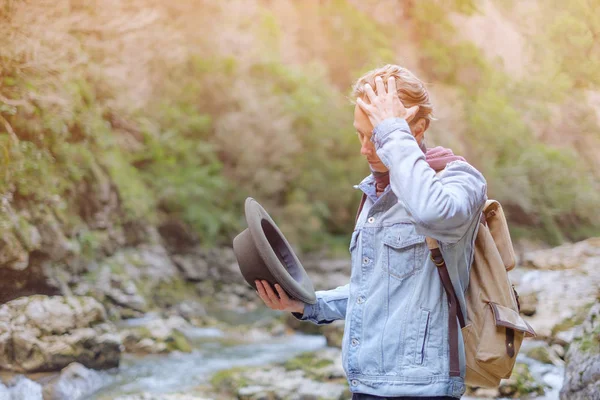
<point x="277" y="254"/>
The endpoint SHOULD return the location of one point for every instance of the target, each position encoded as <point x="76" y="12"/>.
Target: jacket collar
<point x="367" y="185"/>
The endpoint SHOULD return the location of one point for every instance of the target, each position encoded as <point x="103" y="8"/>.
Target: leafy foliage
<point x="189" y="123"/>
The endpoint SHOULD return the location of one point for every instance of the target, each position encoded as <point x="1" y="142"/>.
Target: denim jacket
<point x="395" y="308"/>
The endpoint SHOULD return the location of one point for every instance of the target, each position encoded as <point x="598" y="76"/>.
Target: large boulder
<point x="42" y="333"/>
<point x="566" y="256"/>
<point x="558" y="286"/>
<point x="582" y="374"/>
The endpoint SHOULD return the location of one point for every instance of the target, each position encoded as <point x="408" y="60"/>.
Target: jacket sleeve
<point x="330" y="306"/>
<point x="442" y="206"/>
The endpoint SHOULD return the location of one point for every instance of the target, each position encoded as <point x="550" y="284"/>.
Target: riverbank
<point x="204" y="334"/>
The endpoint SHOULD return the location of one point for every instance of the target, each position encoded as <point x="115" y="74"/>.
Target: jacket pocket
<point x="403" y="250"/>
<point x="500" y="339"/>
<point x="422" y="336"/>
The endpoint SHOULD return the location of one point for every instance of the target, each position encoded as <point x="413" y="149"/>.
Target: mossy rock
<point x="541" y="354"/>
<point x="590" y="341"/>
<point x="574" y="320"/>
<point x="521" y="383"/>
<point x="311" y="364"/>
<point x="230" y="380"/>
<point x="178" y="342"/>
<point x="168" y="294"/>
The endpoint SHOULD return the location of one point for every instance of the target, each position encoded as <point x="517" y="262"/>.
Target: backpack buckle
<point x="438" y="264"/>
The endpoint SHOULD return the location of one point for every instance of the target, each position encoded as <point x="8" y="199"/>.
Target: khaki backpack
<point x="493" y="330"/>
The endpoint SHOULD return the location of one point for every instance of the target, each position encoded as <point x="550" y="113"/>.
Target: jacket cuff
<point x="383" y="130"/>
<point x="309" y="314"/>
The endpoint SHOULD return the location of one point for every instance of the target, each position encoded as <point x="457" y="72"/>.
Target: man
<point x="395" y="342"/>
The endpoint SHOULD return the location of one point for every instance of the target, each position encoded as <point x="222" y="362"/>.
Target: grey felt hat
<point x="263" y="252"/>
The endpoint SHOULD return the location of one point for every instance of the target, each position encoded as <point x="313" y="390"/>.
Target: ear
<point x="419" y="128"/>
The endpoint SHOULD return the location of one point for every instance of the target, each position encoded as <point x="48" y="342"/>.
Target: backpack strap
<point x="455" y="310"/>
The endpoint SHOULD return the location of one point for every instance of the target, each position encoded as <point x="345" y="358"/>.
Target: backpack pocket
<point x="500" y="339"/>
<point x="403" y="249"/>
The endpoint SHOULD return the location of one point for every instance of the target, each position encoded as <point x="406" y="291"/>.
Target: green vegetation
<point x="230" y="380"/>
<point x="192" y="125"/>
<point x="573" y="321"/>
<point x="307" y="361"/>
<point x="541" y="354"/>
<point x="521" y="383"/>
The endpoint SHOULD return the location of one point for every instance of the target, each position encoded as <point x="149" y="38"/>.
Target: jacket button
<point x="371" y="220"/>
<point x="360" y="299"/>
<point x="366" y="260"/>
<point x="354" y="342"/>
<point x="354" y="382"/>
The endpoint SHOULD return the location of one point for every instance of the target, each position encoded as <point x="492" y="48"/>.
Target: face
<point x="363" y="127"/>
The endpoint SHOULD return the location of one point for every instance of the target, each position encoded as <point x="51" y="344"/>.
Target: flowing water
<point x="178" y="372"/>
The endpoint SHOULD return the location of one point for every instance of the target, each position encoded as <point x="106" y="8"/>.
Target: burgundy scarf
<point x="437" y="157"/>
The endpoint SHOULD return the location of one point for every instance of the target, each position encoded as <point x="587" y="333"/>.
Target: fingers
<point x="267" y="294"/>
<point x="272" y="296"/>
<point x="392" y="90"/>
<point x="262" y="293"/>
<point x="363" y="106"/>
<point x="380" y="86"/>
<point x="411" y="112"/>
<point x="370" y="93"/>
<point x="284" y="298"/>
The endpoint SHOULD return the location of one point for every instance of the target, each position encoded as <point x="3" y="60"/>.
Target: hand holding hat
<point x="282" y="303"/>
<point x="263" y="254"/>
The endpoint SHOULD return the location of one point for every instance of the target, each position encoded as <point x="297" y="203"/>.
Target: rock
<point x="323" y="365"/>
<point x="520" y="383"/>
<point x="528" y="302"/>
<point x="165" y="396"/>
<point x="21" y="388"/>
<point x="148" y="262"/>
<point x="120" y="290"/>
<point x="74" y="382"/>
<point x="191" y="310"/>
<point x="178" y="236"/>
<point x="559" y="350"/>
<point x="566" y="294"/>
<point x="12" y="254"/>
<point x="30" y="242"/>
<point x="157" y="336"/>
<point x="566" y="256"/>
<point x="582" y="372"/>
<point x="98" y="199"/>
<point x="334" y="333"/>
<point x="41" y="333"/>
<point x="281" y="382"/>
<point x="129" y="279"/>
<point x="54" y="243"/>
<point x="544" y="353"/>
<point x="192" y="268"/>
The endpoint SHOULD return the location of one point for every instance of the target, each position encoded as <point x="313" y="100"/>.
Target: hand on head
<point x="282" y="302"/>
<point x="384" y="105"/>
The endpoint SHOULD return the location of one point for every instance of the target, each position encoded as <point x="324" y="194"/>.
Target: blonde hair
<point x="411" y="89"/>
